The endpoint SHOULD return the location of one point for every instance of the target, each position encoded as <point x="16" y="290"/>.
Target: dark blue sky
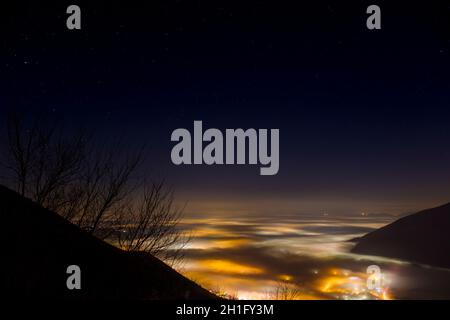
<point x="363" y="115"/>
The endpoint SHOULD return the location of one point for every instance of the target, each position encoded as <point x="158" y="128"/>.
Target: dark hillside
<point x="40" y="245"/>
<point x="423" y="237"/>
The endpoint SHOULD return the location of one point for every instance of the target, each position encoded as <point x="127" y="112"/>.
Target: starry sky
<point x="364" y="116"/>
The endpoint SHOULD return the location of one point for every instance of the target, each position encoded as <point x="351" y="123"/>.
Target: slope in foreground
<point x="39" y="246"/>
<point x="423" y="237"/>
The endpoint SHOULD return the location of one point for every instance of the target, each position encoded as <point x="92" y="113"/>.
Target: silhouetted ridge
<point x="40" y="245"/>
<point x="423" y="237"/>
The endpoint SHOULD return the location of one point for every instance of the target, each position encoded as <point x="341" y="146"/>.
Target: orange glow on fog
<point x="231" y="243"/>
<point x="238" y="277"/>
<point x="208" y="232"/>
<point x="349" y="286"/>
<point x="285" y="277"/>
<point x="333" y="285"/>
<point x="228" y="267"/>
<point x="217" y="244"/>
<point x="385" y="295"/>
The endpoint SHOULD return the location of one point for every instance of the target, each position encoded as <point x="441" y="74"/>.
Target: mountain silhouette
<point x="40" y="245"/>
<point x="422" y="237"/>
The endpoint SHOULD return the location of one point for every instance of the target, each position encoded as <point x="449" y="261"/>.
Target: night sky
<point x="364" y="116"/>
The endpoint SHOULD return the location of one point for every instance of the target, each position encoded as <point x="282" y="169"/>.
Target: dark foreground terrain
<point x="40" y="245"/>
<point x="423" y="237"/>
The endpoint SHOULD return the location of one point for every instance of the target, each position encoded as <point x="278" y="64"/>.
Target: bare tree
<point x="43" y="161"/>
<point x="19" y="150"/>
<point x="285" y="291"/>
<point x="100" y="197"/>
<point x="94" y="187"/>
<point x="150" y="225"/>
